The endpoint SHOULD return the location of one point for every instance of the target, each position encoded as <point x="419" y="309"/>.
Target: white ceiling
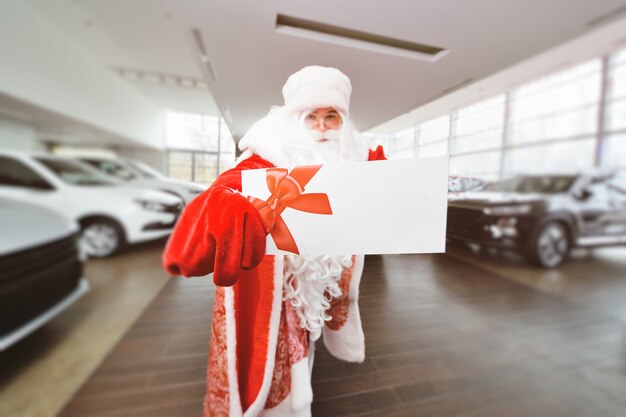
<point x="58" y="128"/>
<point x="252" y="61"/>
<point x="137" y="35"/>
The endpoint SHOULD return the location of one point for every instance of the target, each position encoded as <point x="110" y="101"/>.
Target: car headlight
<point x="151" y="205"/>
<point x="508" y="210"/>
<point x="504" y="227"/>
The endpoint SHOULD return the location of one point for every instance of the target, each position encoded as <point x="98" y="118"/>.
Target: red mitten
<point x="377" y="155"/>
<point x="220" y="231"/>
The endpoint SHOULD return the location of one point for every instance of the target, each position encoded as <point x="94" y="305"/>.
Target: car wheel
<point x="550" y="245"/>
<point x="101" y="238"/>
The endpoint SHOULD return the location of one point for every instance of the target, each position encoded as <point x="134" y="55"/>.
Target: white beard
<point x="327" y="143"/>
<point x="330" y="151"/>
<point x="311" y="282"/>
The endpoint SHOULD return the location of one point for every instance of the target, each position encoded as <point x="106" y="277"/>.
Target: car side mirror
<point x="583" y="194"/>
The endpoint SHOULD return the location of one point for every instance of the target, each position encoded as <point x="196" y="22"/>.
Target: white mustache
<point x="331" y="134"/>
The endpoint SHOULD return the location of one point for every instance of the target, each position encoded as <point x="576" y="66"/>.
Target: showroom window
<point x="553" y="122"/>
<point x="374" y="140"/>
<point x="200" y="147"/>
<point x="568" y="121"/>
<point x="478" y="127"/>
<point x="405" y="144"/>
<point x="433" y="137"/>
<point x="565" y="156"/>
<point x="476" y="139"/>
<point x="614" y="135"/>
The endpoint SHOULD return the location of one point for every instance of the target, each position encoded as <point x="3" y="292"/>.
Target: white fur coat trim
<point x="348" y="343"/>
<point x="231" y="353"/>
<point x="298" y="402"/>
<point x="315" y="86"/>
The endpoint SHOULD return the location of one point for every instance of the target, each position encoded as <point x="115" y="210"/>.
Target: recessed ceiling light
<point x="337" y="35"/>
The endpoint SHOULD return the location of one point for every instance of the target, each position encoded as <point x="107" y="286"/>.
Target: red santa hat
<point x="314" y="87"/>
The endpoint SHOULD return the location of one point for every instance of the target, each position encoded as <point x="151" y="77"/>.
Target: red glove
<point x="377" y="155"/>
<point x="220" y="231"/>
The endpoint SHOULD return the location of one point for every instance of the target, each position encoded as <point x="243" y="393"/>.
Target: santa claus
<point x="269" y="310"/>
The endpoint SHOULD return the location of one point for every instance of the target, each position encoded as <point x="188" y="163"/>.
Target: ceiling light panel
<point x="308" y="29"/>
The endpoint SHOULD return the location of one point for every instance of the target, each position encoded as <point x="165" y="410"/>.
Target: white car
<point x="40" y="268"/>
<point x="136" y="173"/>
<point x="110" y="214"/>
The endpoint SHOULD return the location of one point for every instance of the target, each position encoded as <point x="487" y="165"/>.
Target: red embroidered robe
<point x="260" y="356"/>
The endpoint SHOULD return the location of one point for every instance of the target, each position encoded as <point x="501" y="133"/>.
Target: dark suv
<point x="543" y="217"/>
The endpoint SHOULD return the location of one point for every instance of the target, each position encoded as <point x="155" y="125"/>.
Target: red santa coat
<point x="260" y="356"/>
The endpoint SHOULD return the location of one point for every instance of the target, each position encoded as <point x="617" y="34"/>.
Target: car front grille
<point x="174" y="208"/>
<point x="33" y="280"/>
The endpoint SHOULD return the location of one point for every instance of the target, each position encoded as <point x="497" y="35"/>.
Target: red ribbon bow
<point x="286" y="191"/>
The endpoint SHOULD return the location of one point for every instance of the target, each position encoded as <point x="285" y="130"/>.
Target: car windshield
<point x="145" y="170"/>
<point x="113" y="168"/>
<point x="544" y="185"/>
<point x="75" y="173"/>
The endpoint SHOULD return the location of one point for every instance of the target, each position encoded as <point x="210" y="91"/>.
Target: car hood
<point x="488" y="198"/>
<point x="141" y="193"/>
<point x="168" y="183"/>
<point x="26" y="225"/>
<point x="187" y="184"/>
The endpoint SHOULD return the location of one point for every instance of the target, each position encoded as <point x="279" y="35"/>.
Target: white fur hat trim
<point x="315" y="87"/>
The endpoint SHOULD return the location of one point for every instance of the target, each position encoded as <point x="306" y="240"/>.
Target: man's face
<point x="323" y="120"/>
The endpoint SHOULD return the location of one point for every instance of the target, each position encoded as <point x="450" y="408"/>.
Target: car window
<point x="113" y="168"/>
<point x="75" y="173"/>
<point x="16" y="173"/>
<point x="145" y="171"/>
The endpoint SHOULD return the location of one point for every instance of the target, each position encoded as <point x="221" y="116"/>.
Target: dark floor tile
<point x="339" y="369"/>
<point x="428" y="371"/>
<point x="186" y="376"/>
<point x="354" y="404"/>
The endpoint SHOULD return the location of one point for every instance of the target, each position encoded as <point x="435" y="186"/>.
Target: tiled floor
<point x="592" y="277"/>
<point x="444" y="338"/>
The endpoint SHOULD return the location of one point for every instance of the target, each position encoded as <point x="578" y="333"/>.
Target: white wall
<point x="18" y="136"/>
<point x="42" y="65"/>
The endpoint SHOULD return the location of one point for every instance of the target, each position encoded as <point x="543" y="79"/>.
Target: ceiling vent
<point x="204" y="57"/>
<point x="336" y="35"/>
